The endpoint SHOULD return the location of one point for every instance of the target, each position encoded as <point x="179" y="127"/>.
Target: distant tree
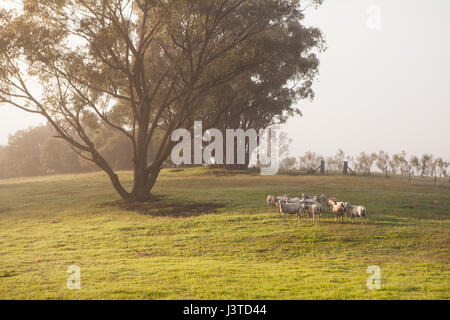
<point x="425" y="164"/>
<point x="352" y="161"/>
<point x="444" y="168"/>
<point x="336" y="162"/>
<point x="57" y="157"/>
<point x="441" y="166"/>
<point x="118" y="152"/>
<point x="434" y="166"/>
<point x="414" y="162"/>
<point x="371" y="160"/>
<point x="382" y="160"/>
<point x="360" y="163"/>
<point x="403" y="162"/>
<point x="288" y="163"/>
<point x="332" y="164"/>
<point x="310" y="161"/>
<point x="21" y="157"/>
<point x="339" y="159"/>
<point x="366" y="162"/>
<point x="394" y="163"/>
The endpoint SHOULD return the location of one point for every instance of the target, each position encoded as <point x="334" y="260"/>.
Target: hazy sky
<point x="386" y="88"/>
<point x="380" y="89"/>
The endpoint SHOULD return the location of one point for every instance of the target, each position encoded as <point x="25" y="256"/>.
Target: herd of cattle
<point x="312" y="206"/>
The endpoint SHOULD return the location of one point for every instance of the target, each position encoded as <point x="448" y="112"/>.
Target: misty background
<point x="378" y="89"/>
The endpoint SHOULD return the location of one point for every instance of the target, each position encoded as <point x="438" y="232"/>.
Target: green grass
<point x="210" y="236"/>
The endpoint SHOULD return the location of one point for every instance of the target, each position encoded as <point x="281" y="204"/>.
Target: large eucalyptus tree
<point x="74" y="62"/>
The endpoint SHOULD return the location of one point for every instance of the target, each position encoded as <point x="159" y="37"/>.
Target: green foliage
<point x="21" y="158"/>
<point x="36" y="151"/>
<point x="147" y="68"/>
<point x="310" y="161"/>
<point x="57" y="157"/>
<point x="118" y="151"/>
<point x="425" y="164"/>
<point x="288" y="163"/>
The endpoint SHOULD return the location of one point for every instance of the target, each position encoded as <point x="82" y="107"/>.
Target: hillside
<point x="209" y="235"/>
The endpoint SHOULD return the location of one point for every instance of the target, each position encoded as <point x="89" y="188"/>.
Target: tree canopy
<point x="144" y="68"/>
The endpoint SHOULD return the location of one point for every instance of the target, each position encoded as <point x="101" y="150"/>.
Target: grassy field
<point x="210" y="236"/>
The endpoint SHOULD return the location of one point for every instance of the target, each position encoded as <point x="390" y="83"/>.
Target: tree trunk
<point x="140" y="190"/>
<point x="118" y="186"/>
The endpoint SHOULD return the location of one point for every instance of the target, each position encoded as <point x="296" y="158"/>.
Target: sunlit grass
<point x="239" y="250"/>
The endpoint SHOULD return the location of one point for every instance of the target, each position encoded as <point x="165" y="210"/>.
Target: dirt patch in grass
<point x="159" y="207"/>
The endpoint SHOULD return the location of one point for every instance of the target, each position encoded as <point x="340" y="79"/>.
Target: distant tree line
<point x="364" y="163"/>
<point x="35" y="151"/>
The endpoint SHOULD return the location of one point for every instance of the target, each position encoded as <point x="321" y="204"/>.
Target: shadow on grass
<point x="8" y="274"/>
<point x="159" y="207"/>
